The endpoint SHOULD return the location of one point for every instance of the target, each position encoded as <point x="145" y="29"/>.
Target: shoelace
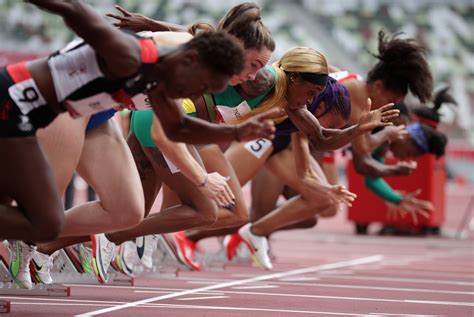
<point x="49" y="263"/>
<point x="110" y="251"/>
<point x="154" y="244"/>
<point x="26" y="256"/>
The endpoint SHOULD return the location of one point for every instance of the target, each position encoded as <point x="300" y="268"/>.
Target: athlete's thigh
<point x="151" y="182"/>
<point x="283" y="166"/>
<point x="187" y="192"/>
<point x="62" y="142"/>
<point x="107" y="165"/>
<point x="27" y="177"/>
<point x="247" y="158"/>
<point x="266" y="188"/>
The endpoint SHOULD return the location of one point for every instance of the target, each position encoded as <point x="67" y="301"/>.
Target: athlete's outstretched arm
<point x="137" y="22"/>
<point x="120" y="51"/>
<point x="331" y="139"/>
<point x="322" y="139"/>
<point x="181" y="128"/>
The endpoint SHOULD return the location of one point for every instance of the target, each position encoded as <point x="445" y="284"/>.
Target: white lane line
<point x="330" y="266"/>
<point x="196" y="298"/>
<point x="255" y="286"/>
<point x="377" y="288"/>
<point x="180" y="306"/>
<point x="349" y="298"/>
<point x="402" y="279"/>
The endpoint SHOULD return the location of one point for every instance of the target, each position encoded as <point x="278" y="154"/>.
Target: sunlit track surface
<point x="315" y="274"/>
<point x="324" y="271"/>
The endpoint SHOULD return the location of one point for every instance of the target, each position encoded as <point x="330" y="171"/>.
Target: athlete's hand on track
<point x="381" y="117"/>
<point x="135" y="22"/>
<point x="216" y="188"/>
<point x="259" y="126"/>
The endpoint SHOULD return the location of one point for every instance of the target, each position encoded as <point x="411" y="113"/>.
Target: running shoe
<point x="20" y="257"/>
<point x="126" y="258"/>
<point x="85" y="255"/>
<point x="231" y="244"/>
<point x="258" y="246"/>
<point x="186" y="250"/>
<point x="146" y="246"/>
<point x="41" y="265"/>
<point x="103" y="252"/>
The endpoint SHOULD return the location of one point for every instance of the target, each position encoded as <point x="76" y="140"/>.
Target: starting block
<point x="8" y="287"/>
<point x="4" y="306"/>
<point x="166" y="263"/>
<point x="67" y="269"/>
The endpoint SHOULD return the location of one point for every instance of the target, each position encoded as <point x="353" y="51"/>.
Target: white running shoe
<point x="41" y="267"/>
<point x="103" y="252"/>
<point x="127" y="257"/>
<point x="20" y="257"/>
<point x="146" y="246"/>
<point x="257" y="245"/>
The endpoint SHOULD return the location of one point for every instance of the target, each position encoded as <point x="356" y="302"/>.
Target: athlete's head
<point x="402" y="66"/>
<point x="431" y="116"/>
<point x="245" y="23"/>
<point x="302" y="74"/>
<point x="420" y="139"/>
<point x="203" y="65"/>
<point x="333" y="105"/>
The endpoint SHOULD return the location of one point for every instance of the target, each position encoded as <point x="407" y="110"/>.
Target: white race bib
<point x="141" y="102"/>
<point x="231" y="114"/>
<point x="90" y="105"/>
<point x="26" y="95"/>
<point x="258" y="147"/>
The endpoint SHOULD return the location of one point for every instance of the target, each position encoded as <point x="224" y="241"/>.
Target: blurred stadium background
<point x="345" y="30"/>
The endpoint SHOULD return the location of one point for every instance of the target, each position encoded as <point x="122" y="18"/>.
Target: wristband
<point x="204" y="183"/>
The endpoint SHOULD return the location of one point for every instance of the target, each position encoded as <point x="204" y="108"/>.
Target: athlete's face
<point x="191" y="79"/>
<point x="405" y="148"/>
<point x="381" y="96"/>
<point x="331" y="119"/>
<point x="299" y="91"/>
<point x="254" y="60"/>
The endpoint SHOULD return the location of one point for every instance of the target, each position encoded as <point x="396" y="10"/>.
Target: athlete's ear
<point x="190" y="57"/>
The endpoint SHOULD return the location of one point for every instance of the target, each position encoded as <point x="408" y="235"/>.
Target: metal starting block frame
<point x="8" y="287"/>
<point x="4" y="306"/>
<point x="67" y="269"/>
<point x="166" y="263"/>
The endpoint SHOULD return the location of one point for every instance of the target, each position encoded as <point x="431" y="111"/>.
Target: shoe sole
<point x="177" y="252"/>
<point x="98" y="273"/>
<point x="252" y="254"/>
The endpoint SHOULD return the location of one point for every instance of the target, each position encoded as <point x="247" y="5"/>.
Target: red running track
<point x="325" y="271"/>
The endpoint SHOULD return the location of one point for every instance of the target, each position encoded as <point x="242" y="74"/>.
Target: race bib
<point x="231" y="115"/>
<point x="90" y="105"/>
<point x="173" y="168"/>
<point x="141" y="102"/>
<point x="258" y="147"/>
<point x="26" y="95"/>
